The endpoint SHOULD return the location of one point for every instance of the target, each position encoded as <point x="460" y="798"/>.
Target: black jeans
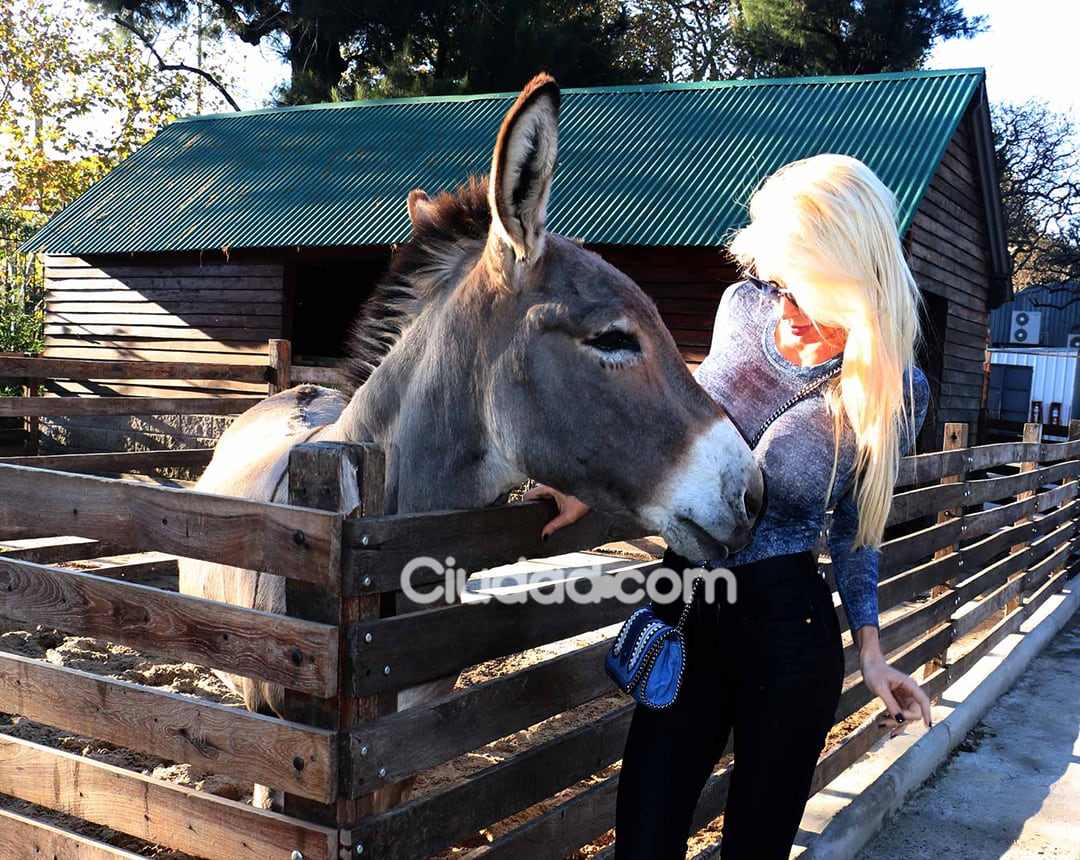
<point x="770" y="666"/>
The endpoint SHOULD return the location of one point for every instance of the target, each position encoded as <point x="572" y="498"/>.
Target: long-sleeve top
<point x="746" y="373"/>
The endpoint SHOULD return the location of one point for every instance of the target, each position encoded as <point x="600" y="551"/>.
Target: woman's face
<point x="796" y="330"/>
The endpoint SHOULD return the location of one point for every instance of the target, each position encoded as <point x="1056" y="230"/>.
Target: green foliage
<point x="498" y="46"/>
<point x="782" y="38"/>
<point x="77" y="95"/>
<point x="339" y="49"/>
<point x="22" y="293"/>
<point x="683" y="40"/>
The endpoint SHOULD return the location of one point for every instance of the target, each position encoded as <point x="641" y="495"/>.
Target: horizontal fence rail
<point x="84" y="389"/>
<point x="519" y="758"/>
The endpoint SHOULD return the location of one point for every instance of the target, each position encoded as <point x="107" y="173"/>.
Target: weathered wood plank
<point x="1053" y="452"/>
<point x="440" y="642"/>
<point x="559" y="832"/>
<point x="984" y="522"/>
<point x="152" y="310"/>
<point x="923" y="468"/>
<point x="210" y="333"/>
<point x="53" y="407"/>
<point x="293" y="542"/>
<point x="901" y="552"/>
<point x="379" y="548"/>
<point x="928" y="500"/>
<point x="212" y="738"/>
<point x="185" y="820"/>
<point x="170" y="273"/>
<point x="50" y="550"/>
<point x="301" y="655"/>
<point x="907" y="585"/>
<point x="189" y="458"/>
<point x="1048" y="499"/>
<point x="990" y="489"/>
<point x="971" y="617"/>
<point x="347" y="478"/>
<point x="22" y="837"/>
<point x="398" y="745"/>
<point x="421" y="827"/>
<point x="906" y="628"/>
<point x="69" y="368"/>
<point x="154" y="349"/>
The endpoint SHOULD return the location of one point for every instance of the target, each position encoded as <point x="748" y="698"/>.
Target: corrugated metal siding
<point x="647" y="165"/>
<point x="1059" y="305"/>
<point x="1053" y="376"/>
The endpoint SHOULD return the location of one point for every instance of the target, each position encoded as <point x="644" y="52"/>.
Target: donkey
<point x="492" y="352"/>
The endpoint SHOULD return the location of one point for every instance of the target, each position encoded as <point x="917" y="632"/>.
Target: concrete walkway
<point x="1011" y="789"/>
<point x="998" y="776"/>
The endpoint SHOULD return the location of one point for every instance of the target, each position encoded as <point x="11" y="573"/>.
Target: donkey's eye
<point x="615" y="340"/>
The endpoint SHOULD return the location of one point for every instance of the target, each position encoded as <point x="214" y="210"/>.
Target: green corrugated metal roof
<point x="647" y="165"/>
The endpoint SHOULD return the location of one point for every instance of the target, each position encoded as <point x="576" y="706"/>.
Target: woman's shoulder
<point x="741" y="303"/>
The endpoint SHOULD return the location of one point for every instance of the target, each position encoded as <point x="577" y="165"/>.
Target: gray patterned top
<point x="746" y="373"/>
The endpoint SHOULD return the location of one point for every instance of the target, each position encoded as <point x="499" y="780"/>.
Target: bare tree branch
<point x="175" y="67"/>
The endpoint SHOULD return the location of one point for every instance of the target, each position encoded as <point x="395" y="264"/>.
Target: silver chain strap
<point x="801" y="394"/>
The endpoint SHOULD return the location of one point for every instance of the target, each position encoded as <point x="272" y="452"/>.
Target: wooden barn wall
<point x="183" y="307"/>
<point x="948" y="249"/>
<point x="161" y="307"/>
<point x="685" y="283"/>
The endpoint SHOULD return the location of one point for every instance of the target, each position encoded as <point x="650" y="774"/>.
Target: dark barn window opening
<point x="327" y="298"/>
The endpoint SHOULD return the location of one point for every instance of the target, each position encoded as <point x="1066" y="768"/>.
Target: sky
<point x="1029" y="51"/>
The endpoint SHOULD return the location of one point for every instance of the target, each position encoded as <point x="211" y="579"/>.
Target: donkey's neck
<point x="424" y="407"/>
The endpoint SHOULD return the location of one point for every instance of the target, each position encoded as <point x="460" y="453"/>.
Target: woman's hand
<point x="904" y="699"/>
<point x="570" y="509"/>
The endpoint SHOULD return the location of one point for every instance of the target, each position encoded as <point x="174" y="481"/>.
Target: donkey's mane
<point x="454" y="229"/>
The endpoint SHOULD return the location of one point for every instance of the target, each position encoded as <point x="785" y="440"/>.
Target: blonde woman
<point x="828" y="306"/>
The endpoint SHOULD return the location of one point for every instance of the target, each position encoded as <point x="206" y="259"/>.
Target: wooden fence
<point x="979" y="537"/>
<point x="41" y="375"/>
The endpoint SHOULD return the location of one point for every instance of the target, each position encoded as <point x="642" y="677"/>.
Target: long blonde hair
<point x="825" y="227"/>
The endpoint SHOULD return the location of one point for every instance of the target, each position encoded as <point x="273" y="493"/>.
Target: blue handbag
<point x="648" y="656"/>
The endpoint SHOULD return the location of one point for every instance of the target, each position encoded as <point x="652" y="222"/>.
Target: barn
<point x="226" y="231"/>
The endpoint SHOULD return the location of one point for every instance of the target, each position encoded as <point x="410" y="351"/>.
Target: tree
<point x="683" y="40"/>
<point x="76" y="97"/>
<point x="781" y="38"/>
<point x="1038" y="161"/>
<point x="341" y="48"/>
<point x="313" y="36"/>
<point x="498" y="46"/>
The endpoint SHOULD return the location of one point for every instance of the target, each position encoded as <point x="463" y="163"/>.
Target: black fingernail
<point x="544" y="538"/>
<point x="899" y="718"/>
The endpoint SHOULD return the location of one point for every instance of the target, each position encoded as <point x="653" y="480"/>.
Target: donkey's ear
<point x="522" y="167"/>
<point x="419" y="207"/>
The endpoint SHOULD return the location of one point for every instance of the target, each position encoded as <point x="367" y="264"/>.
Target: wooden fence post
<point x="956" y="438"/>
<point x="280" y="362"/>
<point x="1032" y="434"/>
<point x="347" y="478"/>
